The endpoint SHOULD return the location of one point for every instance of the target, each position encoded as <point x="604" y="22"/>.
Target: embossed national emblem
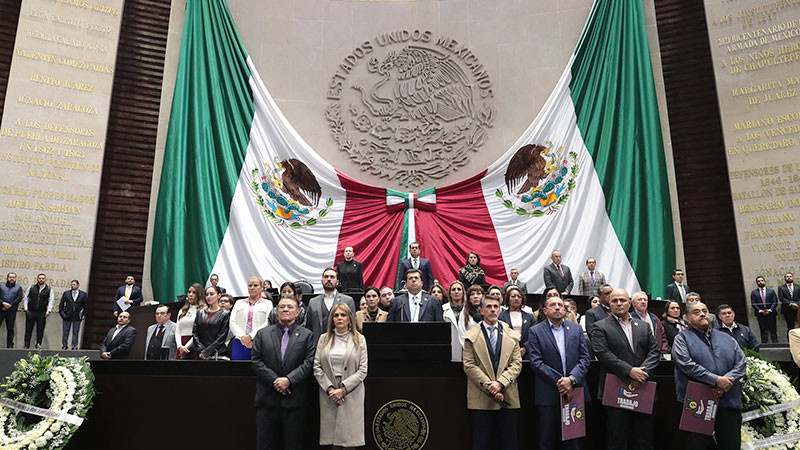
<point x="548" y="178"/>
<point x="400" y="425"/>
<point x="410" y="107"/>
<point x="289" y="194"/>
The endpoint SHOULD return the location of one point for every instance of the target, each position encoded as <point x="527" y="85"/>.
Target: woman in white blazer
<point x="340" y="367"/>
<point x="247" y="317"/>
<point x="451" y="311"/>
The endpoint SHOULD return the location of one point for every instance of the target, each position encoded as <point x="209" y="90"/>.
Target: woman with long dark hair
<point x="472" y="273"/>
<point x="673" y="320"/>
<point x="515" y="317"/>
<point x="211" y="327"/>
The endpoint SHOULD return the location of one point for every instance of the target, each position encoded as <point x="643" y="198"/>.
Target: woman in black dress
<point x="211" y="326"/>
<point x="350" y="272"/>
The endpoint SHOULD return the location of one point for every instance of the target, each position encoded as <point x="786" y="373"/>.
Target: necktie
<point x="514" y="282"/>
<point x="560" y="272"/>
<point x="74" y="296"/>
<point x="763" y="298"/>
<point x="415" y="263"/>
<point x="249" y="327"/>
<point x="414" y="308"/>
<point x="160" y="331"/>
<point x="284" y="341"/>
<point x="591" y="274"/>
<point x="791" y="289"/>
<point x="493" y="339"/>
<point x="127" y="292"/>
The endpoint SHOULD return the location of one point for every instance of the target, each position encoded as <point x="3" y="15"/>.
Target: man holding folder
<point x="627" y="349"/>
<point x="705" y="355"/>
<point x="559" y="359"/>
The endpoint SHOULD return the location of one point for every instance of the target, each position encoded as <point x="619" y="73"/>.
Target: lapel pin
<point x="567" y="328"/>
<point x="297" y="334"/>
<point x="635" y="324"/>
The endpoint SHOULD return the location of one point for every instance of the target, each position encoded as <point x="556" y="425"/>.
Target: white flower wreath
<point x="60" y="389"/>
<point x="764" y="386"/>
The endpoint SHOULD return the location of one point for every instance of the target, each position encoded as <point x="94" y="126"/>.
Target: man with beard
<point x="789" y="295"/>
<point x="705" y="355"/>
<point x="765" y="304"/>
<point x="10" y="296"/>
<point x="319" y="307"/>
<point x="38" y="305"/>
<point x="132" y="294"/>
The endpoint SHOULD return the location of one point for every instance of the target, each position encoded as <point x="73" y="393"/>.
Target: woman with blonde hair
<point x="183" y="333"/>
<point x="340" y="367"/>
<point x="247" y="317"/>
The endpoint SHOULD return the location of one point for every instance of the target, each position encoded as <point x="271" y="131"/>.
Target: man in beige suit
<point x="492" y="362"/>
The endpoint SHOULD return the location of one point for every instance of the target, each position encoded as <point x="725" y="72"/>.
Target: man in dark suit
<point x="72" y="309"/>
<point x="214" y="280"/>
<point x="416" y="262"/>
<point x="678" y="290"/>
<point x="560" y="360"/>
<point x="132" y="295"/>
<point x="319" y="307"/>
<point x="119" y="340"/>
<point x="10" y="298"/>
<point x="160" y="343"/>
<point x="742" y="334"/>
<point x="789" y="296"/>
<point x="601" y="311"/>
<point x="514" y="281"/>
<point x="626" y="348"/>
<point x="283" y="360"/>
<point x="765" y="303"/>
<point x="415" y="306"/>
<point x="558" y="275"/>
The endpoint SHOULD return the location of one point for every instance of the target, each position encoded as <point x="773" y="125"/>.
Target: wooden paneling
<point x="9" y="17"/>
<point x="124" y="201"/>
<point x="709" y="234"/>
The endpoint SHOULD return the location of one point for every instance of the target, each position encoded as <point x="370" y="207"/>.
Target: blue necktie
<point x="493" y="339"/>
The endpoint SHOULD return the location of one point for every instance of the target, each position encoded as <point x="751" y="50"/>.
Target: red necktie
<point x="763" y="299"/>
<point x="560" y="272"/>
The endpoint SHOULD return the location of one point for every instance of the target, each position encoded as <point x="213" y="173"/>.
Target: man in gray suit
<point x="160" y="343"/>
<point x="283" y="360"/>
<point x="514" y="273"/>
<point x="558" y="275"/>
<point x="590" y="281"/>
<point x="319" y="308"/>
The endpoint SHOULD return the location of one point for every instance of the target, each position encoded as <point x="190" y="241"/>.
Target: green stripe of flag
<point x="209" y="127"/>
<point x="615" y="102"/>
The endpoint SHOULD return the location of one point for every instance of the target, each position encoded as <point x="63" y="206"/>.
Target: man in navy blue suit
<point x="416" y="262"/>
<point x="132" y="294"/>
<point x="559" y="359"/>
<point x="415" y="306"/>
<point x="765" y="302"/>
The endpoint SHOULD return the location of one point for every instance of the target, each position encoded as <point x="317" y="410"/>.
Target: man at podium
<point x="415" y="306"/>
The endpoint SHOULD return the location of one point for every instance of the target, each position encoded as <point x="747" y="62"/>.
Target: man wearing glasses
<point x="161" y="342"/>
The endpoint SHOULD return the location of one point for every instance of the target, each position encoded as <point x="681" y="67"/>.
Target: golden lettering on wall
<point x="756" y="49"/>
<point x="52" y="136"/>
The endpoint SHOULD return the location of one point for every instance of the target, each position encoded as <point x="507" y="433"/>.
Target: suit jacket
<point x="168" y="341"/>
<point x="351" y="276"/>
<point x="72" y="310"/>
<point x="553" y="278"/>
<point x="480" y="371"/>
<point x="430" y="309"/>
<point x="296" y="365"/>
<point x="615" y="354"/>
<point x="770" y="300"/>
<point x="362" y="316"/>
<point x="424" y="266"/>
<point x="593" y="315"/>
<point x="545" y="359"/>
<point x="120" y="346"/>
<point x="316" y="320"/>
<point x="588" y="287"/>
<point x="661" y="334"/>
<point x="527" y="321"/>
<point x="671" y="292"/>
<point x="136" y="297"/>
<point x="787" y="299"/>
<point x="520" y="284"/>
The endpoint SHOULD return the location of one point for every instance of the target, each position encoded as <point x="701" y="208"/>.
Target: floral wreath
<point x="267" y="197"/>
<point x="556" y="175"/>
<point x="44" y="402"/>
<point x="765" y="387"/>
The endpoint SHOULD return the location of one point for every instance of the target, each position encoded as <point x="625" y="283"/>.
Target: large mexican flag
<point x="242" y="194"/>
